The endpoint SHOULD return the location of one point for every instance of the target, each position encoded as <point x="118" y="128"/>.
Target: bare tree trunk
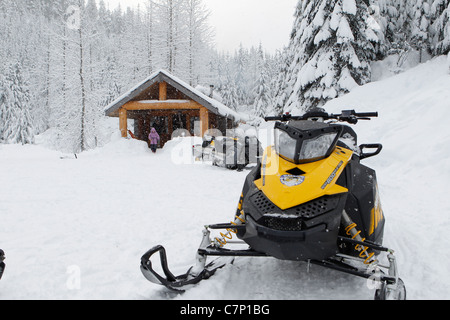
<point x="170" y="38"/>
<point x="64" y="77"/>
<point x="150" y="37"/>
<point x="83" y="95"/>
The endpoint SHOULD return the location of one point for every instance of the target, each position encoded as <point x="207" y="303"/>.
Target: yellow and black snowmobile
<point x="309" y="199"/>
<point x="2" y="264"/>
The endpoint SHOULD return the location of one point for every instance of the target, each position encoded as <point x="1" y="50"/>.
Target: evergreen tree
<point x="282" y="91"/>
<point x="419" y="25"/>
<point x="394" y="20"/>
<point x="332" y="47"/>
<point x="241" y="60"/>
<point x="16" y="124"/>
<point x="263" y="94"/>
<point x="441" y="36"/>
<point x="228" y="92"/>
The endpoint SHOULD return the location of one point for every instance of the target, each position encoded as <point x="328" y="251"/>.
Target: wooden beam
<point x="204" y="120"/>
<point x="123" y="122"/>
<point x="163" y="91"/>
<point x="162" y="105"/>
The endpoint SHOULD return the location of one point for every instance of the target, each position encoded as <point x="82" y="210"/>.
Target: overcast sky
<point x="245" y="21"/>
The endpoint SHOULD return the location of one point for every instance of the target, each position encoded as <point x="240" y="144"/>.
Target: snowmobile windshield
<point x="302" y="146"/>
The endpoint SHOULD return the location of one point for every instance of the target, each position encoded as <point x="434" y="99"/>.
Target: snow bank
<point x="122" y="147"/>
<point x="396" y="64"/>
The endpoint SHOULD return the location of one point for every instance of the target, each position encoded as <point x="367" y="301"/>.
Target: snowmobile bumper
<point x="2" y="264"/>
<point x="316" y="243"/>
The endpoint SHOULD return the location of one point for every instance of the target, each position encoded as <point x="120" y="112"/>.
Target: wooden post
<point x="204" y="120"/>
<point x="170" y="123"/>
<point x="123" y="122"/>
<point x="163" y="91"/>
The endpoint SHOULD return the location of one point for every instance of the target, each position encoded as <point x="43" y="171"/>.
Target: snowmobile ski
<point x="176" y="283"/>
<point x="170" y="281"/>
<point x="2" y="264"/>
<point x="194" y="275"/>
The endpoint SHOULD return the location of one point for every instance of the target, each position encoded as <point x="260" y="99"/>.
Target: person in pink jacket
<point x="154" y="139"/>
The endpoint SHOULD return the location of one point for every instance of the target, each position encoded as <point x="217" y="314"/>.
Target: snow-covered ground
<point x="76" y="228"/>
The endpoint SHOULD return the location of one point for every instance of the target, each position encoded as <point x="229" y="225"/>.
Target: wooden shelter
<point x="167" y="103"/>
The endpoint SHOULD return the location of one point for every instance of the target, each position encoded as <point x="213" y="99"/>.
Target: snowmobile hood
<point x="288" y="185"/>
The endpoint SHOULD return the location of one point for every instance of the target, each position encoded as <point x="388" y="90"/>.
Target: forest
<point x="63" y="61"/>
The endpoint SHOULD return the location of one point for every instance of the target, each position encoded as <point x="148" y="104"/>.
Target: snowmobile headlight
<point x="285" y="145"/>
<point x="303" y="146"/>
<point x="317" y="147"/>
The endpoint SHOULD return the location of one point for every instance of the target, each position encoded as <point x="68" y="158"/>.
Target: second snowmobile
<point x="235" y="151"/>
<point x="309" y="199"/>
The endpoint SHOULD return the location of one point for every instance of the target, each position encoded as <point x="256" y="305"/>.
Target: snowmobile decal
<point x="241" y="200"/>
<point x="332" y="176"/>
<point x="291" y="180"/>
<point x="376" y="214"/>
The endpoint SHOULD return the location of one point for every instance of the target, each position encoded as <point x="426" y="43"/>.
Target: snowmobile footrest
<point x="366" y="243"/>
<point x="212" y="251"/>
<point x="353" y="271"/>
<point x="227" y="226"/>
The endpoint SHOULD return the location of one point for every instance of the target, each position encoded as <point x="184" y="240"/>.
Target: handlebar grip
<point x="367" y="115"/>
<point x="272" y="118"/>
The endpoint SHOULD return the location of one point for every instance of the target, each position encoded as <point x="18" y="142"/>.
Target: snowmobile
<point x="2" y="264"/>
<point x="230" y="152"/>
<point x="236" y="152"/>
<point x="309" y="199"/>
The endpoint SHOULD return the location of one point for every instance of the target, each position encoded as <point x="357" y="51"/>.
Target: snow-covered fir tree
<point x="419" y="26"/>
<point x="412" y="28"/>
<point x="238" y="75"/>
<point x="228" y="92"/>
<point x="440" y="9"/>
<point x="394" y="22"/>
<point x="16" y="126"/>
<point x="281" y="91"/>
<point x="332" y="47"/>
<point x="263" y="91"/>
<point x="241" y="62"/>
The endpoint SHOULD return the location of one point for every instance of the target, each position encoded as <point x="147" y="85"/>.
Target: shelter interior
<point x="168" y="110"/>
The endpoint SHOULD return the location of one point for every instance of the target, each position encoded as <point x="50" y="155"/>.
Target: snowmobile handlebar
<point x="350" y="116"/>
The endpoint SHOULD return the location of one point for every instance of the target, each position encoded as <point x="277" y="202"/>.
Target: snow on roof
<point x="162" y="75"/>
